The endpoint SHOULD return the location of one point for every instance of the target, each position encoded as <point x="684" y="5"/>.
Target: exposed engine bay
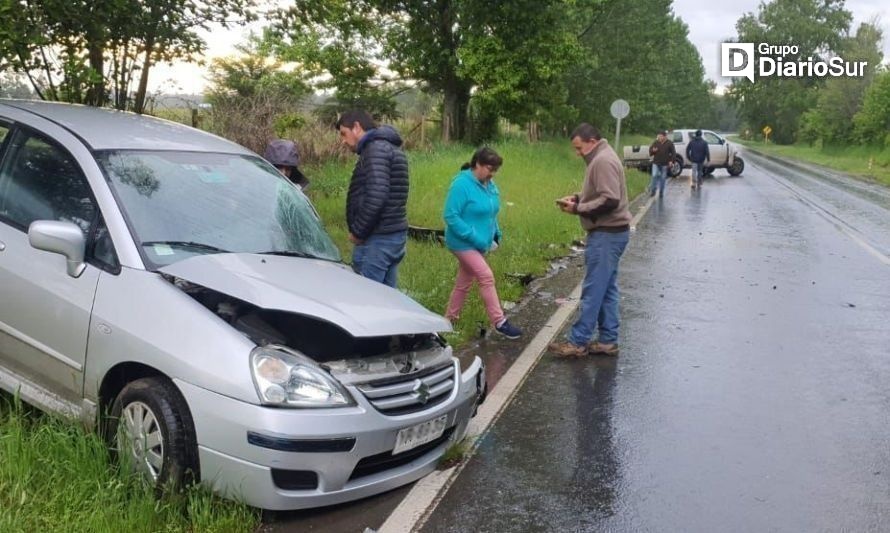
<point x="351" y="358"/>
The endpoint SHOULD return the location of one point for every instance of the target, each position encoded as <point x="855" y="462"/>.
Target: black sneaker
<point x="509" y="330"/>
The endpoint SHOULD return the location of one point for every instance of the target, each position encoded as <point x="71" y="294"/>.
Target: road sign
<point x="620" y="109"/>
<point x="766" y="131"/>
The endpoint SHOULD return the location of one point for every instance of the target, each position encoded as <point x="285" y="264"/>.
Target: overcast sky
<point x="710" y="23"/>
<point x="713" y="23"/>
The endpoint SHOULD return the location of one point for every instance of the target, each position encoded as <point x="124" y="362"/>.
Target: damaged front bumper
<point x="283" y="459"/>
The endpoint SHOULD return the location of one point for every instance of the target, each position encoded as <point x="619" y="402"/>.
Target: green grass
<point x="454" y="455"/>
<point x="861" y="161"/>
<point x="57" y="476"/>
<point x="535" y="232"/>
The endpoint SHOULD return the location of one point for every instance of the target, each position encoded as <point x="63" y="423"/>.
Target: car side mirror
<point x="65" y="238"/>
<point x="722" y="141"/>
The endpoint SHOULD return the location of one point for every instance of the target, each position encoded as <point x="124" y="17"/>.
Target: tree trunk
<point x="454" y="112"/>
<point x="139" y="100"/>
<point x="96" y="93"/>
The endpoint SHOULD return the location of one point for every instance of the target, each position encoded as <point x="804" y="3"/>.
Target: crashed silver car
<point x="176" y="285"/>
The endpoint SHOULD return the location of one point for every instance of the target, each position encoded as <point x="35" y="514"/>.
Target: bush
<point x="872" y="121"/>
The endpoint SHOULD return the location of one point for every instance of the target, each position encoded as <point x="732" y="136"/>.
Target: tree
<point x="831" y="120"/>
<point x="88" y="51"/>
<point x="518" y="55"/>
<point x="511" y="53"/>
<point x="337" y="44"/>
<point x="657" y="70"/>
<point x="818" y="28"/>
<point x="252" y="72"/>
<point x="872" y="121"/>
<point x="254" y="85"/>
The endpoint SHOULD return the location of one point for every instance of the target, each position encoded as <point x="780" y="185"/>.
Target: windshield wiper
<point x="188" y="244"/>
<point x="295" y="253"/>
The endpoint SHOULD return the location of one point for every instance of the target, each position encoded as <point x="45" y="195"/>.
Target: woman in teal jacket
<point x="471" y="231"/>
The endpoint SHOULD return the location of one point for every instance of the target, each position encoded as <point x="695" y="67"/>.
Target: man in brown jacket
<point x="601" y="207"/>
<point x="663" y="153"/>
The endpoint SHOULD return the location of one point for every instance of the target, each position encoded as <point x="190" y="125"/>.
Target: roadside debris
<point x="427" y="234"/>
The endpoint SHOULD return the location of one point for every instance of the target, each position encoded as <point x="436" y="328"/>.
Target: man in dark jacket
<point x="698" y="154"/>
<point x="662" y="152"/>
<point x="376" y="205"/>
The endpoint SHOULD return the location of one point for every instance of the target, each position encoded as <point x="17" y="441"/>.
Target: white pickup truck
<point x="723" y="154"/>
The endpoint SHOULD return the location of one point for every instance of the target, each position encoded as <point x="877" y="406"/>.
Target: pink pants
<point x="472" y="267"/>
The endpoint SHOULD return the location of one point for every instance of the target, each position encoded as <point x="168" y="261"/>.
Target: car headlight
<point x="287" y="378"/>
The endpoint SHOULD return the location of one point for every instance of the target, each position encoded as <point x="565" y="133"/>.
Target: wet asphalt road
<point x="751" y="393"/>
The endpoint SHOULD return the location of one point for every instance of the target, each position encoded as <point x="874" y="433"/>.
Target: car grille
<point x="387" y="461"/>
<point x="410" y="394"/>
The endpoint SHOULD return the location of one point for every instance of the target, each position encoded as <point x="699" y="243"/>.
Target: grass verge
<point x="57" y="476"/>
<point x="864" y="162"/>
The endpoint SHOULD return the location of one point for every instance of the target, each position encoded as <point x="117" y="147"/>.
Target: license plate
<point x="420" y="434"/>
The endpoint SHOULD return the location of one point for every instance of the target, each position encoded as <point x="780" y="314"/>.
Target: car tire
<point x="151" y="432"/>
<point x="676" y="167"/>
<point x="737" y="167"/>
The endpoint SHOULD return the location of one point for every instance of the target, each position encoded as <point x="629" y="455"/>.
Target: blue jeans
<point x="379" y="256"/>
<point x="599" y="293"/>
<point x="659" y="176"/>
<point x="698" y="171"/>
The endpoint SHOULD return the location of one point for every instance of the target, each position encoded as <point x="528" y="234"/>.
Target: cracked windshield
<point x="181" y="204"/>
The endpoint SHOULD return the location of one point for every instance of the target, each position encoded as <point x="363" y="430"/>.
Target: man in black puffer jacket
<point x="376" y="206"/>
<point x="697" y="153"/>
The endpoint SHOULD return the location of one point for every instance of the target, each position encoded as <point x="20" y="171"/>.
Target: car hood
<point x="321" y="289"/>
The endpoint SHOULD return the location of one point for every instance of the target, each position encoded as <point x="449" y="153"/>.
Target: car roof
<point x="109" y="129"/>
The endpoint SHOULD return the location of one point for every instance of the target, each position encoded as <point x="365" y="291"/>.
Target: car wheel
<point x="153" y="434"/>
<point x="737" y="167"/>
<point x="676" y="167"/>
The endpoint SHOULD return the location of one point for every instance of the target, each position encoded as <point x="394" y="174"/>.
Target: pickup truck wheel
<point x="152" y="433"/>
<point x="676" y="167"/>
<point x="737" y="167"/>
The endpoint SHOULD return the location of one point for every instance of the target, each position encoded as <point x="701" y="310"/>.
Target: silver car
<point x="175" y="284"/>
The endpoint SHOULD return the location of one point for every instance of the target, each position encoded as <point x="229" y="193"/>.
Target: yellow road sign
<point x="767" y="130"/>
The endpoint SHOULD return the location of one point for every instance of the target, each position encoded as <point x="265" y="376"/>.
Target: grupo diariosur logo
<point x="781" y="61"/>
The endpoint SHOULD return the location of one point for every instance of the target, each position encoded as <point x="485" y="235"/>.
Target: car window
<point x="678" y="137"/>
<point x="711" y="138"/>
<point x="41" y="181"/>
<point x="4" y="133"/>
<point x="182" y="204"/>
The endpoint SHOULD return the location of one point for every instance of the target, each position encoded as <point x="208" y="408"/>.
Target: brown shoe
<point x="567" y="350"/>
<point x="598" y="348"/>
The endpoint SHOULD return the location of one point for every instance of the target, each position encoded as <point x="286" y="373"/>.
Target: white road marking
<point x="849" y="231"/>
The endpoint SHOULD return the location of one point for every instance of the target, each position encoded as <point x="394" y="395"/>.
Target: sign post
<point x="619" y="110"/>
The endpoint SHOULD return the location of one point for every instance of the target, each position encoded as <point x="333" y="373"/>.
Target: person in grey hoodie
<point x="377" y="201"/>
<point x="283" y="154"/>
